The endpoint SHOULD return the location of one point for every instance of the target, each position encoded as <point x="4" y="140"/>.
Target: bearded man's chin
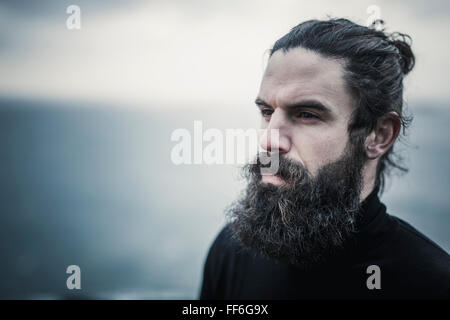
<point x="299" y="218"/>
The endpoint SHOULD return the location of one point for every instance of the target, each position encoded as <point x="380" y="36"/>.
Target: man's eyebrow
<point x="261" y="102"/>
<point x="311" y="104"/>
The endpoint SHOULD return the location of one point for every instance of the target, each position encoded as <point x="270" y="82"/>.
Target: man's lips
<point x="273" y="179"/>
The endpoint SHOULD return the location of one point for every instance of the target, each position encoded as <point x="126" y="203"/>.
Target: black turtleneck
<point x="410" y="265"/>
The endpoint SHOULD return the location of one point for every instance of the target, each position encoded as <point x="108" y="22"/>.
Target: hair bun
<point x="403" y="43"/>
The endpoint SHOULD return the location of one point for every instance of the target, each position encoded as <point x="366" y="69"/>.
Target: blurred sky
<point x="187" y="52"/>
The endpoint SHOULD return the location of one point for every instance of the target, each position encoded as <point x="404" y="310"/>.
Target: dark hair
<point x="374" y="66"/>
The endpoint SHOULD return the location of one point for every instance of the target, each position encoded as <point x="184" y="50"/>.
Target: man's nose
<point x="276" y="136"/>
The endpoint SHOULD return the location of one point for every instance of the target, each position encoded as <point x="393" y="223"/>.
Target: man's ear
<point x="383" y="136"/>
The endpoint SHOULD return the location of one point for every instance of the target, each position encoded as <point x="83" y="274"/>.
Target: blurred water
<point x="93" y="185"/>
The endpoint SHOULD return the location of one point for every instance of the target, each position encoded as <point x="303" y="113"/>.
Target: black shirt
<point x="410" y="265"/>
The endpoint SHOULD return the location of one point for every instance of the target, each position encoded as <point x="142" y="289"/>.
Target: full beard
<point x="306" y="219"/>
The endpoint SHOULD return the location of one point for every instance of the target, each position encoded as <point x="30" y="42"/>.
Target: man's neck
<point x="369" y="173"/>
<point x="366" y="191"/>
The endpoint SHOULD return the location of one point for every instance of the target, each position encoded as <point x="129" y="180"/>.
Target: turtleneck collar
<point x="372" y="220"/>
<point x="371" y="223"/>
<point x="369" y="209"/>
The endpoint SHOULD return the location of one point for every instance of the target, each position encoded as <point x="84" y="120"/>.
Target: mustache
<point x="288" y="169"/>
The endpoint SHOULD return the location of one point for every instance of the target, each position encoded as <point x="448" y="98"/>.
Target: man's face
<point x="303" y="95"/>
<point x="309" y="208"/>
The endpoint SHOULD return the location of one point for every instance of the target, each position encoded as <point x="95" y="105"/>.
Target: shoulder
<point x="220" y="260"/>
<point x="226" y="250"/>
<point x="224" y="239"/>
<point x="418" y="244"/>
<point x="223" y="245"/>
<point x="418" y="259"/>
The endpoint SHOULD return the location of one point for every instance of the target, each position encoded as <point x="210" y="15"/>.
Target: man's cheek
<point x="324" y="153"/>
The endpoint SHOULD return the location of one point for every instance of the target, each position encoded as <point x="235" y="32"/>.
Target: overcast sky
<point x="188" y="52"/>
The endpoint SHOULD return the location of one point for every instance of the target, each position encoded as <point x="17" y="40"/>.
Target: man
<point x="316" y="228"/>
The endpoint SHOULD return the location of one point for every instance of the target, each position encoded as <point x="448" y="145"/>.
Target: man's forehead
<point x="301" y="73"/>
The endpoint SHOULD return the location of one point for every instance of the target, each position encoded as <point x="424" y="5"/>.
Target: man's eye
<point x="306" y="115"/>
<point x="266" y="112"/>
